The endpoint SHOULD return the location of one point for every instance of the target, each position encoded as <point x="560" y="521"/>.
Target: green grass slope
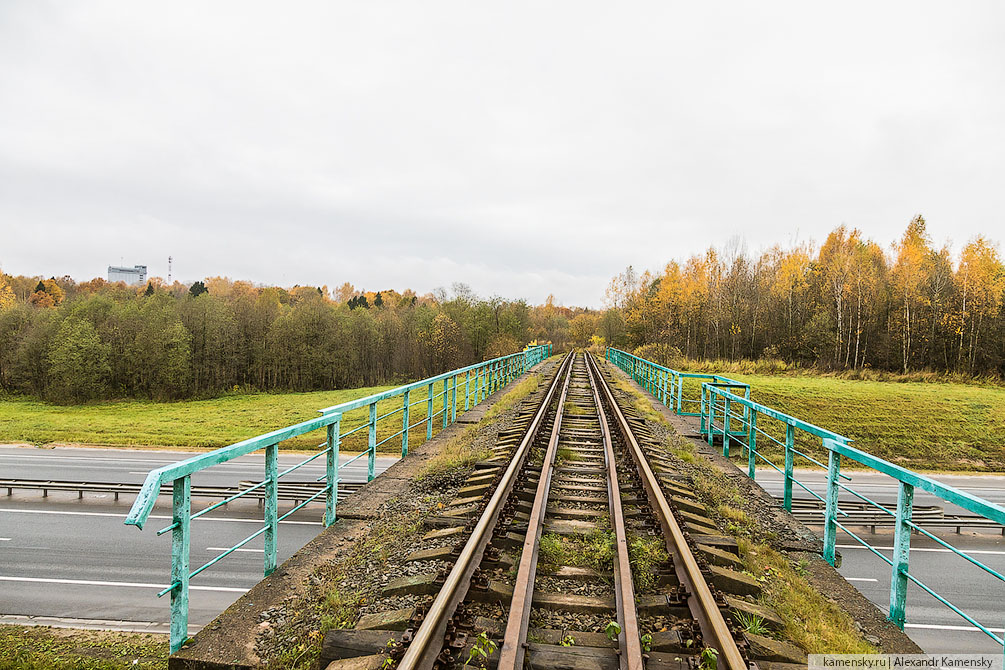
<point x="945" y="426"/>
<point x="195" y="423"/>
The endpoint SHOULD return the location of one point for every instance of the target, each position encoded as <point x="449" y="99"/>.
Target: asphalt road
<point x="74" y="562"/>
<point x="932" y="625"/>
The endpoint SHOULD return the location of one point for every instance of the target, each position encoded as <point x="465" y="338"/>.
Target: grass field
<point x="40" y="648"/>
<point x="922" y="425"/>
<point x="206" y="423"/>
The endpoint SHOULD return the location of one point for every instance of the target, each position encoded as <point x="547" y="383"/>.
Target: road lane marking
<point x="860" y="579"/>
<point x="141" y="585"/>
<point x="938" y="550"/>
<point x="934" y="626"/>
<point x="250" y="551"/>
<point x="4" y="539"/>
<point x="152" y="516"/>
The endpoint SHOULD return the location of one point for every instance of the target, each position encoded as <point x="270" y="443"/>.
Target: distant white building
<point x="134" y="275"/>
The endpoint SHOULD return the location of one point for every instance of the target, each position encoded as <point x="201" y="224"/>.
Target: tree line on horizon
<point x="846" y="305"/>
<point x="65" y="341"/>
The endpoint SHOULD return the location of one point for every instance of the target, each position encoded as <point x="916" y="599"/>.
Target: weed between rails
<point x="646" y="553"/>
<point x="572" y="409"/>
<point x="592" y="550"/>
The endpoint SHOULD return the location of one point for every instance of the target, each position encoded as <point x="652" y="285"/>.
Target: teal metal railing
<point x="441" y="403"/>
<point x="681" y="391"/>
<point x="734" y="418"/>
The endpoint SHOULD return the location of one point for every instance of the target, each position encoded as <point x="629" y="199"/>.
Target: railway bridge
<point x="550" y="510"/>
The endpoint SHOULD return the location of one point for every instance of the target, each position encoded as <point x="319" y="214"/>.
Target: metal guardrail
<point x="857" y="513"/>
<point x="295" y="491"/>
<point x="720" y="419"/>
<point x="478" y="381"/>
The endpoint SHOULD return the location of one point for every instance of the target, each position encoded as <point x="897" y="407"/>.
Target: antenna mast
<point x="169" y="270"/>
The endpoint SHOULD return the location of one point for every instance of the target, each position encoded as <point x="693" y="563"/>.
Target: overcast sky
<point x="522" y="148"/>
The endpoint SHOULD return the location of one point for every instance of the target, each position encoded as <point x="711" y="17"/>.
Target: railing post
<point x="725" y="427"/>
<point x="453" y="401"/>
<point x="680" y="391"/>
<point x="331" y="468"/>
<point x="371" y="444"/>
<point x="747" y="410"/>
<point x="901" y="554"/>
<point x="711" y="414"/>
<point x="467" y="389"/>
<point x="181" y="512"/>
<point x="752" y="445"/>
<point x="831" y="510"/>
<point x="429" y="412"/>
<point x="446" y="400"/>
<point x="703" y="410"/>
<point x="790" y="458"/>
<point x="271" y="506"/>
<point x="664" y="389"/>
<point x="404" y="424"/>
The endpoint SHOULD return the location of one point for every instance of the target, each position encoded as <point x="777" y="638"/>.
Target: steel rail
<point x="700" y="600"/>
<point x="427" y="641"/>
<point x="629" y="640"/>
<point x="514" y="646"/>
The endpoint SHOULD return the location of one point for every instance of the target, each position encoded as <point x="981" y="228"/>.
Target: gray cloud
<point x="525" y="149"/>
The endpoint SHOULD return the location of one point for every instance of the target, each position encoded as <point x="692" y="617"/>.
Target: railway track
<point x="570" y="551"/>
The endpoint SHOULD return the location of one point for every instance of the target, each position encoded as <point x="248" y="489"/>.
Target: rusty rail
<point x="514" y="646"/>
<point x="629" y="640"/>
<point x="426" y="644"/>
<point x="700" y="600"/>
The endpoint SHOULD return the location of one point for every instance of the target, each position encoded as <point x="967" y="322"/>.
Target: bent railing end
<point x="145" y="500"/>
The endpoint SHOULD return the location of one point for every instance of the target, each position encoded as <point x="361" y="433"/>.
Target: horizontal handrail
<point x="147" y="498"/>
<point x="384" y="395"/>
<point x="950" y="494"/>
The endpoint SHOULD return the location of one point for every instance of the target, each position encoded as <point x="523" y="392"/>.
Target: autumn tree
<point x="7" y="297"/>
<point x="980" y="282"/>
<point x="907" y="280"/>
